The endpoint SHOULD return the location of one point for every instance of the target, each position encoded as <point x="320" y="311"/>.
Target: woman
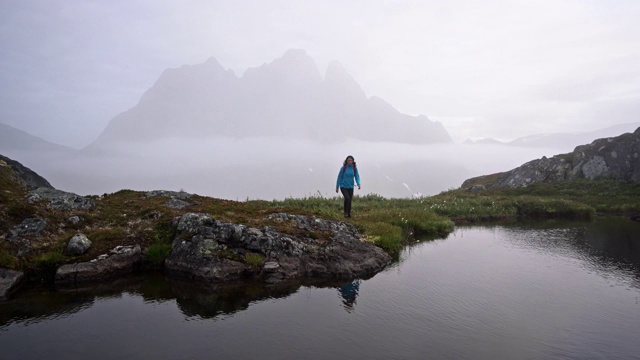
<point x="348" y="172"/>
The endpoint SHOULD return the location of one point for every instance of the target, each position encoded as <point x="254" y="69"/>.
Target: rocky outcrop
<point x="9" y="282"/>
<point x="209" y="250"/>
<point x="122" y="260"/>
<point x="61" y="200"/>
<point x="20" y="235"/>
<point x="32" y="179"/>
<point x="616" y="158"/>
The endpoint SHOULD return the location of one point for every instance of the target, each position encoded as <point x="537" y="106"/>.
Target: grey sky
<point x="492" y="68"/>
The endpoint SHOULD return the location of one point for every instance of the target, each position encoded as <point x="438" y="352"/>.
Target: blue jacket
<point x="346" y="180"/>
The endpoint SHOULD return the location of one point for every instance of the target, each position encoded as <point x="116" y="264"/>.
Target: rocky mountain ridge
<point x="616" y="158"/>
<point x="285" y="98"/>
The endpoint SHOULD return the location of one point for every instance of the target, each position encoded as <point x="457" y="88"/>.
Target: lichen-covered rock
<point x="78" y="245"/>
<point x="122" y="260"/>
<point x="28" y="227"/>
<point x="209" y="250"/>
<point x="61" y="200"/>
<point x="9" y="282"/>
<point x="20" y="236"/>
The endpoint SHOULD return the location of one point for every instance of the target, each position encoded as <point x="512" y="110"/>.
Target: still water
<point x="534" y="291"/>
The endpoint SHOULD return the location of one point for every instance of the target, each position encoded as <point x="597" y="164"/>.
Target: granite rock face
<point x="616" y="158"/>
<point x="209" y="250"/>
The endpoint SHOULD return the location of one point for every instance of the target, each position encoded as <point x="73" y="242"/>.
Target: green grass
<point x="158" y="250"/>
<point x="129" y="217"/>
<point x="254" y="259"/>
<point x="388" y="223"/>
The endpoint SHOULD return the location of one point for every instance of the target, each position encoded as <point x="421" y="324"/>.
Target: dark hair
<point x="344" y="165"/>
<point x="347" y="158"/>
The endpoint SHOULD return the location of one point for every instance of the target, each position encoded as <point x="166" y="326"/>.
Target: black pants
<point x="348" y="195"/>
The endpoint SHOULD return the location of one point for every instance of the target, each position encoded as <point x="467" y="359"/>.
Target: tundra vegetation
<point x="130" y="217"/>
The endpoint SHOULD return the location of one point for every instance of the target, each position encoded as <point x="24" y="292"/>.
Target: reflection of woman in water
<point x="349" y="292"/>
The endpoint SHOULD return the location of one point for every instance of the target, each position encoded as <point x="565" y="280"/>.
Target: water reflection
<point x="349" y="292"/>
<point x="194" y="300"/>
<point x="603" y="245"/>
<point x="541" y="291"/>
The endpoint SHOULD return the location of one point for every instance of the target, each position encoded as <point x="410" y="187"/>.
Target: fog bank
<point x="268" y="168"/>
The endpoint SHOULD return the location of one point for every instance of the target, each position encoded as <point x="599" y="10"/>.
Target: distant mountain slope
<point x="30" y="177"/>
<point x="616" y="158"/>
<point x="559" y="140"/>
<point x="285" y="98"/>
<point x="12" y="139"/>
<point x="572" y="140"/>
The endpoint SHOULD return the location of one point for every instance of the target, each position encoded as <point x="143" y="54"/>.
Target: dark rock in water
<point x="61" y="200"/>
<point x="635" y="217"/>
<point x="32" y="179"/>
<point x="209" y="250"/>
<point x="616" y="158"/>
<point x="121" y="261"/>
<point x="78" y="245"/>
<point x="9" y="282"/>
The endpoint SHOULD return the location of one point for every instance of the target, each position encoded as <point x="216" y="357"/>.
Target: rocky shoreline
<point x="200" y="247"/>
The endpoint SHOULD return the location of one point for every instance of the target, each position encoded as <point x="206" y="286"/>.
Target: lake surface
<point x="549" y="290"/>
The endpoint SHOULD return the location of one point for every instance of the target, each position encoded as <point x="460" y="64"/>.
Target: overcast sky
<point x="491" y="68"/>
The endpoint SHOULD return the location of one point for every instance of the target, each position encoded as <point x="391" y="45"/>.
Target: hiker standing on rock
<point x="348" y="172"/>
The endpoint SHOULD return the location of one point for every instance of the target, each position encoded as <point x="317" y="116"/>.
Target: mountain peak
<point x="340" y="81"/>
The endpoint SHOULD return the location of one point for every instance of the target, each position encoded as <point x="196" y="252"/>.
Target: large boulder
<point x="9" y="281"/>
<point x="210" y="250"/>
<point x="122" y="260"/>
<point x="77" y="245"/>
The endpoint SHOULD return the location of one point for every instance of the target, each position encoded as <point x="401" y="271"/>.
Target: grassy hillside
<point x="130" y="217"/>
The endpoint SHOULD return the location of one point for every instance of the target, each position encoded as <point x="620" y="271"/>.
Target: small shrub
<point x="254" y="259"/>
<point x="48" y="262"/>
<point x="7" y="260"/>
<point x="158" y="250"/>
<point x="156" y="253"/>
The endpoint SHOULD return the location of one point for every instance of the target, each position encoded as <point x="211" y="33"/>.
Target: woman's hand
<point x="358" y="187"/>
<point x="336" y="190"/>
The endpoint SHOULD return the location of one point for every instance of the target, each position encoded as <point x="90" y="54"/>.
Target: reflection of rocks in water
<point x="37" y="304"/>
<point x="192" y="299"/>
<point x="616" y="239"/>
<point x="603" y="243"/>
<point x="211" y="300"/>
